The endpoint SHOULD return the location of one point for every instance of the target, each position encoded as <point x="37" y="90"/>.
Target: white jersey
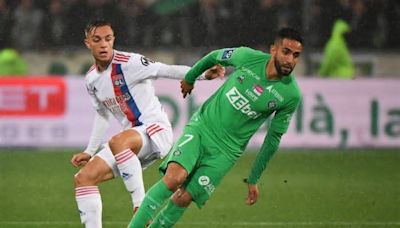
<point x="125" y="91"/>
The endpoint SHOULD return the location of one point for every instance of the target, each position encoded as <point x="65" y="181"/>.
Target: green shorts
<point x="202" y="159"/>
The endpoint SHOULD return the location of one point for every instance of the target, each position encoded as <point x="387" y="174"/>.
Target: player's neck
<point x="271" y="73"/>
<point x="102" y="66"/>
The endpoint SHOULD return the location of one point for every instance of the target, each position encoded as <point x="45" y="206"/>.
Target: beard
<point x="282" y="71"/>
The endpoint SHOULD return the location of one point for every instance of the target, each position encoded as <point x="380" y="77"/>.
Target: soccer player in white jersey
<point x="119" y="85"/>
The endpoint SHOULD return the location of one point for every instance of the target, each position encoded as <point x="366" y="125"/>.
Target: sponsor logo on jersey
<point x="250" y="94"/>
<point x="240" y="79"/>
<point x="250" y="72"/>
<point x="206" y="183"/>
<point x="125" y="176"/>
<point x="152" y="207"/>
<point x="257" y="89"/>
<point x="227" y="54"/>
<point x="274" y="92"/>
<point x="241" y="103"/>
<point x="109" y="102"/>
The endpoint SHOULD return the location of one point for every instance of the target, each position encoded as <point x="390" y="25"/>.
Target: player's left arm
<point x="268" y="149"/>
<point x="221" y="57"/>
<point x="145" y="68"/>
<point x="278" y="127"/>
<point x="224" y="57"/>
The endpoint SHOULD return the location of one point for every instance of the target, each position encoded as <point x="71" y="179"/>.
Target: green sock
<point x="154" y="199"/>
<point x="168" y="216"/>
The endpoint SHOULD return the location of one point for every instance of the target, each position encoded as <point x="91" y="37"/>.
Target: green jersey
<point x="243" y="103"/>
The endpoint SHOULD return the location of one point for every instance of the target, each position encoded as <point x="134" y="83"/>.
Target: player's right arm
<point x="100" y="126"/>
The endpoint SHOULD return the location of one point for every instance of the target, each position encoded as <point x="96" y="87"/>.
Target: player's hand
<point x="216" y="71"/>
<point x="186" y="88"/>
<point x="252" y="194"/>
<point x="80" y="159"/>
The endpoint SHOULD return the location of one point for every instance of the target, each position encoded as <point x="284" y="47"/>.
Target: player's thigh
<point x="147" y="154"/>
<point x="161" y="138"/>
<point x="136" y="139"/>
<point x="186" y="151"/>
<point x="108" y="158"/>
<point x="95" y="171"/>
<point x="204" y="180"/>
<point x="127" y="139"/>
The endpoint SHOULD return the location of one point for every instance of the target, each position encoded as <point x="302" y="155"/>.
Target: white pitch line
<point x="283" y="224"/>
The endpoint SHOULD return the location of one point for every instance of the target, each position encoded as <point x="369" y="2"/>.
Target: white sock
<point x="131" y="172"/>
<point x="89" y="204"/>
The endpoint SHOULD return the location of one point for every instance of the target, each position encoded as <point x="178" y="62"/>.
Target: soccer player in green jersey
<point x="217" y="134"/>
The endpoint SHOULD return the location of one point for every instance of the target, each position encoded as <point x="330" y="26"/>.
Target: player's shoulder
<point x="91" y="73"/>
<point x="131" y="58"/>
<point x="122" y="57"/>
<point x="294" y="89"/>
<point x="250" y="51"/>
<point x="241" y="53"/>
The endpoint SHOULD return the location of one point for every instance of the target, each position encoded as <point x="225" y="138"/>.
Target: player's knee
<point x="84" y="179"/>
<point x="175" y="176"/>
<point x="116" y="142"/>
<point x="182" y="198"/>
<point x="125" y="140"/>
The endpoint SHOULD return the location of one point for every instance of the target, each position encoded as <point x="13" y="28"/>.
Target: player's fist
<point x="186" y="88"/>
<point x="80" y="159"/>
<point x="252" y="194"/>
<point x="216" y="71"/>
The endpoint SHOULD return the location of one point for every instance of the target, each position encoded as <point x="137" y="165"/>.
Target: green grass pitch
<point x="350" y="188"/>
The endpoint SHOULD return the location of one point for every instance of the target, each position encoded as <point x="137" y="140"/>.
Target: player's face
<point x="100" y="41"/>
<point x="286" y="54"/>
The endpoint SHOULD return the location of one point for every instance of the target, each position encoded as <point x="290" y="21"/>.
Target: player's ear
<point x="272" y="49"/>
<point x="86" y="41"/>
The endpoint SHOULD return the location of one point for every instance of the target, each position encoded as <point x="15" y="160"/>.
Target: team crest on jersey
<point x="118" y="80"/>
<point x="271" y="104"/>
<point x="206" y="183"/>
<point x="204" y="180"/>
<point x="227" y="54"/>
<point x="177" y="152"/>
<point x="145" y="61"/>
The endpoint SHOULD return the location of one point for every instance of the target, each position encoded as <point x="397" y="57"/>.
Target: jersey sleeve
<point x="279" y="126"/>
<point x="144" y="68"/>
<point x="97" y="105"/>
<point x="268" y="149"/>
<point x="169" y="71"/>
<point x="225" y="57"/>
<point x="281" y="120"/>
<point x="100" y="124"/>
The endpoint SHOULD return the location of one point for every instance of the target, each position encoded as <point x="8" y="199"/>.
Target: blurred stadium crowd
<point x="54" y="24"/>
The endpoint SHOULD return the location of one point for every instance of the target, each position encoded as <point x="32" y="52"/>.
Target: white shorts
<point x="156" y="142"/>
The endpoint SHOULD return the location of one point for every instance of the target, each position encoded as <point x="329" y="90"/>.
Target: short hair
<point x="96" y="23"/>
<point x="288" y="33"/>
